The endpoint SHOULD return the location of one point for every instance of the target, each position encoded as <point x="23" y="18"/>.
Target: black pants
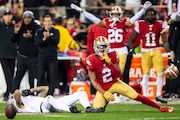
<point x="175" y="84"/>
<point x="62" y="76"/>
<point x="47" y="67"/>
<point x="8" y="66"/>
<point x="25" y="64"/>
<point x="127" y="68"/>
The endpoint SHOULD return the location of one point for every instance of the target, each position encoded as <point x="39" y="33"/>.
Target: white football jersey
<point x="31" y="103"/>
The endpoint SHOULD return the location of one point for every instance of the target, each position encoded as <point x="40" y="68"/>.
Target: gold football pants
<point x="118" y="87"/>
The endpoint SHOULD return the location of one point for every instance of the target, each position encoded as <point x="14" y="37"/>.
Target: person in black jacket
<point x="27" y="51"/>
<point x="7" y="50"/>
<point x="46" y="39"/>
<point x="172" y="87"/>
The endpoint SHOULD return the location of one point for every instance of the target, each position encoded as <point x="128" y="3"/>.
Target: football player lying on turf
<point x="107" y="79"/>
<point x="25" y="102"/>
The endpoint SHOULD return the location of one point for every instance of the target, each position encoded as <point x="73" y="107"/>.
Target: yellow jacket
<point x="66" y="42"/>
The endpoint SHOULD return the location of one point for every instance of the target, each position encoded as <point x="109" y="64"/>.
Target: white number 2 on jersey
<point x="106" y="75"/>
<point x="115" y="35"/>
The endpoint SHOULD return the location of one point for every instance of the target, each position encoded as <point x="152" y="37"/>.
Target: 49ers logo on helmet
<point x="116" y="9"/>
<point x="171" y="72"/>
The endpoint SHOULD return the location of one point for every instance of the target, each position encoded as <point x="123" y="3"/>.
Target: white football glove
<point x="147" y="4"/>
<point x="77" y="8"/>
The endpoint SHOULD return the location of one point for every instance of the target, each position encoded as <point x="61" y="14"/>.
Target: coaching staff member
<point x="46" y="39"/>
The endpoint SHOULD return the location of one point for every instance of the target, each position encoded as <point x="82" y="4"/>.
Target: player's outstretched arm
<point x="131" y="40"/>
<point x="139" y="14"/>
<point x="42" y="90"/>
<point x="88" y="15"/>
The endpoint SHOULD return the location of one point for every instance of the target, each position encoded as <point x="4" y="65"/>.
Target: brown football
<point x="10" y="111"/>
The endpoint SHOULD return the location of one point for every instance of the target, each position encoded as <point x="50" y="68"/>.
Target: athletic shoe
<point x="166" y="95"/>
<point x="172" y="96"/>
<point x="74" y="109"/>
<point x="166" y="109"/>
<point x="94" y="110"/>
<point x="5" y="98"/>
<point x="160" y="99"/>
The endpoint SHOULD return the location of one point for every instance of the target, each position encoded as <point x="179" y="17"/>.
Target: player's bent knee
<point x="133" y="96"/>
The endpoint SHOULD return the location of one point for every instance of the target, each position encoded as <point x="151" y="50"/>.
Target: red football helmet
<point x="171" y="72"/>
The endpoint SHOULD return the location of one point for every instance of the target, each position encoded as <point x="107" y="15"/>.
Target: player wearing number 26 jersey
<point x="116" y="28"/>
<point x="116" y="33"/>
<point x="106" y="78"/>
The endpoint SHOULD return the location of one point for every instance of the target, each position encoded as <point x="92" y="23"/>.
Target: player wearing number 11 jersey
<point x="150" y="30"/>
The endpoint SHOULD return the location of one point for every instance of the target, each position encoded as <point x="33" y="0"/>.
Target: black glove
<point x="74" y="109"/>
<point x="26" y="92"/>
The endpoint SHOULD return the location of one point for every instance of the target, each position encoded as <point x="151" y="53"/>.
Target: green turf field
<point x="113" y="112"/>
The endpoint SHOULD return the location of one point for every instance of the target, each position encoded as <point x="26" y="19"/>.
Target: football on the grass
<point x="10" y="111"/>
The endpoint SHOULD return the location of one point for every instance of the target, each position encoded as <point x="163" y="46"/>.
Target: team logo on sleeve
<point x="88" y="62"/>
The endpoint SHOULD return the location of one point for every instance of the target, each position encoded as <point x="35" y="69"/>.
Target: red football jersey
<point x="150" y="33"/>
<point x="106" y="74"/>
<point x="137" y="39"/>
<point x="116" y="34"/>
<point x="93" y="33"/>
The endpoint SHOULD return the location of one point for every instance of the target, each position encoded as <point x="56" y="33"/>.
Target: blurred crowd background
<point x="61" y="7"/>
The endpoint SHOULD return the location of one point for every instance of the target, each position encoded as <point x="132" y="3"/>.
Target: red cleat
<point x="166" y="109"/>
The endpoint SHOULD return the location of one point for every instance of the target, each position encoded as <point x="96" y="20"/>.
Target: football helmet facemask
<point x="171" y="72"/>
<point x="101" y="46"/>
<point x="115" y="10"/>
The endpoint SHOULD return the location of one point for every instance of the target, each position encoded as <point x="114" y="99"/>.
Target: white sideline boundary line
<point x="165" y="118"/>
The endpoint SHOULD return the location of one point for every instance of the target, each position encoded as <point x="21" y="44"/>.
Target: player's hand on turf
<point x="147" y="4"/>
<point x="26" y="92"/>
<point x="109" y="96"/>
<point x="77" y="8"/>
